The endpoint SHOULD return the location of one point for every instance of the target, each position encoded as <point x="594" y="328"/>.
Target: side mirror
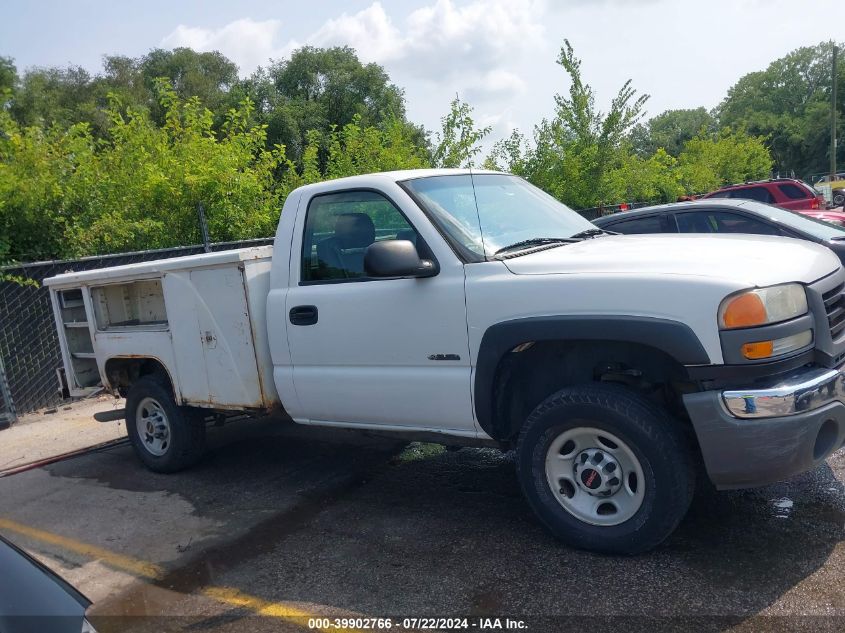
<point x="396" y="258"/>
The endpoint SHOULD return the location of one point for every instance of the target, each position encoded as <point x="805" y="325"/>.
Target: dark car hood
<point x="33" y="598"/>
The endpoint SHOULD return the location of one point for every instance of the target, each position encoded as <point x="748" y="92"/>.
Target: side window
<point x="340" y="226"/>
<point x="696" y="222"/>
<point x="733" y="223"/>
<point x="760" y="194"/>
<point x="794" y="192"/>
<point x="635" y="226"/>
<point x="723" y="222"/>
<point x="720" y="194"/>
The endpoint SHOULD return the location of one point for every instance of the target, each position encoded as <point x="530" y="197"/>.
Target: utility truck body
<point x="202" y="318"/>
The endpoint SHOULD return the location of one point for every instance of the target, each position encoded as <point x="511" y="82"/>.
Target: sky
<point x="498" y="55"/>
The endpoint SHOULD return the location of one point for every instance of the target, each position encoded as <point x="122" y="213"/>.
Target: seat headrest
<point x="354" y="230"/>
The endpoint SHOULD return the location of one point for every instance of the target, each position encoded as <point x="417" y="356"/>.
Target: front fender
<point x="674" y="338"/>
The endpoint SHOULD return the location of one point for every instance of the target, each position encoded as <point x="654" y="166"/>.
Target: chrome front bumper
<point x="804" y="391"/>
<point x="753" y="437"/>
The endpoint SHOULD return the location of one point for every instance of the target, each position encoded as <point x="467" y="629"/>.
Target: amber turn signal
<point x="761" y="349"/>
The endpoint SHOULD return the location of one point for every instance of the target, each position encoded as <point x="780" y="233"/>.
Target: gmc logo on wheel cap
<point x="590" y="478"/>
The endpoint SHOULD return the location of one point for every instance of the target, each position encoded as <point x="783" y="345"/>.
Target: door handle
<point x="303" y="315"/>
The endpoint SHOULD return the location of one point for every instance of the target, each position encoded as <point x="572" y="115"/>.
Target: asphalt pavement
<point x="286" y="528"/>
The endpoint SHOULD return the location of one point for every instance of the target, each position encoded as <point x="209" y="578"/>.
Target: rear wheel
<point x="166" y="437"/>
<point x="838" y="198"/>
<point x="605" y="469"/>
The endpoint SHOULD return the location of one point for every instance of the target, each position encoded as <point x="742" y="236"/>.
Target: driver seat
<point x="344" y="251"/>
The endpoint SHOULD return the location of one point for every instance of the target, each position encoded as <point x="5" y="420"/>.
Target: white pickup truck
<point x="472" y="306"/>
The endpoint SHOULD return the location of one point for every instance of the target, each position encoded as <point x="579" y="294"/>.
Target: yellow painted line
<point x="134" y="566"/>
<point x="237" y="598"/>
<point x="259" y="606"/>
<point x="143" y="569"/>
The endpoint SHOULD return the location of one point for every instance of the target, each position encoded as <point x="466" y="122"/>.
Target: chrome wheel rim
<point x="595" y="476"/>
<point x="153" y="426"/>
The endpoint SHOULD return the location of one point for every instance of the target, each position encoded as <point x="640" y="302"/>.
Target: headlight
<point x="763" y="306"/>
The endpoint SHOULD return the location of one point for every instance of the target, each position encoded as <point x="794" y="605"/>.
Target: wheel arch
<point x="122" y="371"/>
<point x="572" y="345"/>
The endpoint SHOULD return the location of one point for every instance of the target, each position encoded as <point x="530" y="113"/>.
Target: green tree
<point x="144" y="188"/>
<point x="121" y="160"/>
<point x="510" y="154"/>
<point x="8" y="80"/>
<point x="652" y="179"/>
<point x="34" y="169"/>
<point x="209" y="76"/>
<point x="313" y="90"/>
<point x="64" y="194"/>
<point x="318" y="88"/>
<point x="340" y="83"/>
<point x="54" y="96"/>
<point x="670" y="130"/>
<point x="788" y="104"/>
<point x="711" y="161"/>
<point x="458" y="142"/>
<point x="355" y="149"/>
<point x="576" y="151"/>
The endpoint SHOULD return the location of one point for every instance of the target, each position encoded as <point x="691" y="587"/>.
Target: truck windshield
<point x="486" y="213"/>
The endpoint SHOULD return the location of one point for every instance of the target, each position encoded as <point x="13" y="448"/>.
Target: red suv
<point x="788" y="193"/>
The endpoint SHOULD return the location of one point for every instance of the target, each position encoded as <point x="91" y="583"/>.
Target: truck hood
<point x="755" y="260"/>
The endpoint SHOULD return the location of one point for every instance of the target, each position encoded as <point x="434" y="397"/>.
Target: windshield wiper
<point x="535" y="241"/>
<point x="540" y="241"/>
<point x="591" y="233"/>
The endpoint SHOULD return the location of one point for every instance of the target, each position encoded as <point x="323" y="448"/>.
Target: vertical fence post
<point x="203" y="228"/>
<point x="833" y="79"/>
<point x="7" y="413"/>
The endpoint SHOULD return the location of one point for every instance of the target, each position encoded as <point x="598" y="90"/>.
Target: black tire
<point x="186" y="438"/>
<point x="838" y="198"/>
<point x="654" y="438"/>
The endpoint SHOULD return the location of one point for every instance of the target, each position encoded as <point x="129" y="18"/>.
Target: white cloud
<point x="370" y="32"/>
<point x="477" y="50"/>
<point x="441" y="39"/>
<point x="495" y="83"/>
<point x="249" y="43"/>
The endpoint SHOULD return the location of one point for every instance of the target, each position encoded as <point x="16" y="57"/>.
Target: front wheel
<point x="838" y="198"/>
<point x="605" y="469"/>
<point x="166" y="437"/>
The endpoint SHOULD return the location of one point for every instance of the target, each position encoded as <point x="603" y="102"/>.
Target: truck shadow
<point x="383" y="529"/>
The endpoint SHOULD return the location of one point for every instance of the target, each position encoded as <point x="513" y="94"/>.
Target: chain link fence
<point x="29" y="345"/>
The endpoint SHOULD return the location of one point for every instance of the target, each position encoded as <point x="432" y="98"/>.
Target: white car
<point x="471" y="306"/>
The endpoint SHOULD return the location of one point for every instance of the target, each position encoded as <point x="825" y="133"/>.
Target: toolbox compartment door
<point x="212" y="338"/>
